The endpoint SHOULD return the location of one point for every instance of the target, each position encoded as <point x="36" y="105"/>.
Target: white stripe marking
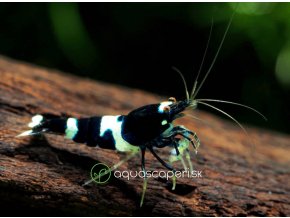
<point x="112" y="123"/>
<point x="108" y="122"/>
<point x="71" y="128"/>
<point x="29" y="132"/>
<point x="36" y="120"/>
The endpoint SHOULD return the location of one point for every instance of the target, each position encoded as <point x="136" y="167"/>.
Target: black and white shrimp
<point x="147" y="127"/>
<point x="144" y="128"/>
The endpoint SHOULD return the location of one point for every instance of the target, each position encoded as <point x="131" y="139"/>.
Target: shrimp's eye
<point x="166" y="109"/>
<point x="172" y="99"/>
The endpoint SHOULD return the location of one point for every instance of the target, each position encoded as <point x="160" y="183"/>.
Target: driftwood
<point x="44" y="175"/>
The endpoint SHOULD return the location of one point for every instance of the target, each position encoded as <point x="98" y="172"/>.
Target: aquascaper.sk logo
<point x="100" y="173"/>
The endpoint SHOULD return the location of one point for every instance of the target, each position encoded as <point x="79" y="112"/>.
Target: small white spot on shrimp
<point x="164" y="104"/>
<point x="164" y="122"/>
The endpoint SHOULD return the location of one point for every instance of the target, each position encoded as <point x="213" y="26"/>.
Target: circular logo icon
<point x="100" y="173"/>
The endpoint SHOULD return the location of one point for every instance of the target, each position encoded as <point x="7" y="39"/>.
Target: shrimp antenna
<point x="216" y="55"/>
<point x="226" y="114"/>
<point x="184" y="82"/>
<point x="200" y="120"/>
<point x="234" y="103"/>
<point x="229" y="116"/>
<point x="202" y="61"/>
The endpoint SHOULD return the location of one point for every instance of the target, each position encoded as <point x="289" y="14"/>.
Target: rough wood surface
<point x="43" y="175"/>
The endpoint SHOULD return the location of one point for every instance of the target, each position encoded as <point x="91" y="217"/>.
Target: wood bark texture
<point x="43" y="176"/>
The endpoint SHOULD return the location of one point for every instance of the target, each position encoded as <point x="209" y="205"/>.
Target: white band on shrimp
<point x="36" y="120"/>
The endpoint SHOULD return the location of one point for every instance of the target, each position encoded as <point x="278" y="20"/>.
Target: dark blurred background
<point x="136" y="44"/>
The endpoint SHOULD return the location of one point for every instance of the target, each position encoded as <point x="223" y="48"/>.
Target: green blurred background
<point x="136" y="44"/>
